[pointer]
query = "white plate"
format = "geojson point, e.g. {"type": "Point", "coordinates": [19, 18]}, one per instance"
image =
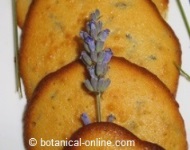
{"type": "Point", "coordinates": [12, 108]}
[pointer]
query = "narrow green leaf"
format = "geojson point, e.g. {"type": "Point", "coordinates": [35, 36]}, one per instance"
{"type": "Point", "coordinates": [182, 72]}
{"type": "Point", "coordinates": [16, 50]}
{"type": "Point", "coordinates": [184, 17]}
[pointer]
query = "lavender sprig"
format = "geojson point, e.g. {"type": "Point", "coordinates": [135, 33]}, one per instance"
{"type": "Point", "coordinates": [96, 58]}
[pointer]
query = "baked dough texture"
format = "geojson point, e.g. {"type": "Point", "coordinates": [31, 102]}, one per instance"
{"type": "Point", "coordinates": [119, 138]}
{"type": "Point", "coordinates": [140, 102]}
{"type": "Point", "coordinates": [24, 5]}
{"type": "Point", "coordinates": [51, 40]}
{"type": "Point", "coordinates": [22, 8]}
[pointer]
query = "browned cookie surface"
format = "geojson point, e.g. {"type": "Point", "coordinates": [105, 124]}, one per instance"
{"type": "Point", "coordinates": [162, 6]}
{"type": "Point", "coordinates": [107, 136]}
{"type": "Point", "coordinates": [23, 7]}
{"type": "Point", "coordinates": [139, 100]}
{"type": "Point", "coordinates": [138, 33]}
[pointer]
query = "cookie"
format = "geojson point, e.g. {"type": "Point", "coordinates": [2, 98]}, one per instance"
{"type": "Point", "coordinates": [51, 40]}
{"type": "Point", "coordinates": [140, 102]}
{"type": "Point", "coordinates": [23, 7]}
{"type": "Point", "coordinates": [105, 135]}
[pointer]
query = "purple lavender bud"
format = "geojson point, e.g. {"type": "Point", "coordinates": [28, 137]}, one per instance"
{"type": "Point", "coordinates": [99, 45]}
{"type": "Point", "coordinates": [99, 26]}
{"type": "Point", "coordinates": [91, 43]}
{"type": "Point", "coordinates": [101, 56]}
{"type": "Point", "coordinates": [88, 85]}
{"type": "Point", "coordinates": [88, 40]}
{"type": "Point", "coordinates": [86, 58]}
{"type": "Point", "coordinates": [107, 56]}
{"type": "Point", "coordinates": [83, 35]}
{"type": "Point", "coordinates": [91, 71]}
{"type": "Point", "coordinates": [85, 119]}
{"type": "Point", "coordinates": [97, 12]}
{"type": "Point", "coordinates": [101, 69]}
{"type": "Point", "coordinates": [91, 28]}
{"type": "Point", "coordinates": [95, 16]}
{"type": "Point", "coordinates": [105, 85]}
{"type": "Point", "coordinates": [94, 83]}
{"type": "Point", "coordinates": [103, 34]}
{"type": "Point", "coordinates": [100, 84]}
{"type": "Point", "coordinates": [86, 47]}
{"type": "Point", "coordinates": [111, 118]}
{"type": "Point", "coordinates": [94, 56]}
{"type": "Point", "coordinates": [94, 34]}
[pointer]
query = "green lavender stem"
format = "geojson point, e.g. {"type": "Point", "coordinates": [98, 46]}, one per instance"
{"type": "Point", "coordinates": [184, 17]}
{"type": "Point", "coordinates": [98, 99]}
{"type": "Point", "coordinates": [184, 74]}
{"type": "Point", "coordinates": [15, 34]}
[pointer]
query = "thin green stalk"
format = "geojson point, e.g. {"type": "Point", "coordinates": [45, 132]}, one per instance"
{"type": "Point", "coordinates": [98, 106]}
{"type": "Point", "coordinates": [16, 50]}
{"type": "Point", "coordinates": [184, 74]}
{"type": "Point", "coordinates": [184, 17]}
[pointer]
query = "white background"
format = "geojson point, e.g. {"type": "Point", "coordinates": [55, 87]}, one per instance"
{"type": "Point", "coordinates": [12, 108]}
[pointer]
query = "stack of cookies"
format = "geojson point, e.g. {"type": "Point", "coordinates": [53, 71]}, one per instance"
{"type": "Point", "coordinates": [143, 73]}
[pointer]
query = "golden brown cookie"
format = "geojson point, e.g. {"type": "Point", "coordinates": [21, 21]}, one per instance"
{"type": "Point", "coordinates": [138, 99]}
{"type": "Point", "coordinates": [107, 136]}
{"type": "Point", "coordinates": [138, 33]}
{"type": "Point", "coordinates": [22, 7]}
{"type": "Point", "coordinates": [162, 6]}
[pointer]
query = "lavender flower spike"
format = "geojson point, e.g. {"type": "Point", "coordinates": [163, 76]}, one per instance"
{"type": "Point", "coordinates": [96, 58]}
